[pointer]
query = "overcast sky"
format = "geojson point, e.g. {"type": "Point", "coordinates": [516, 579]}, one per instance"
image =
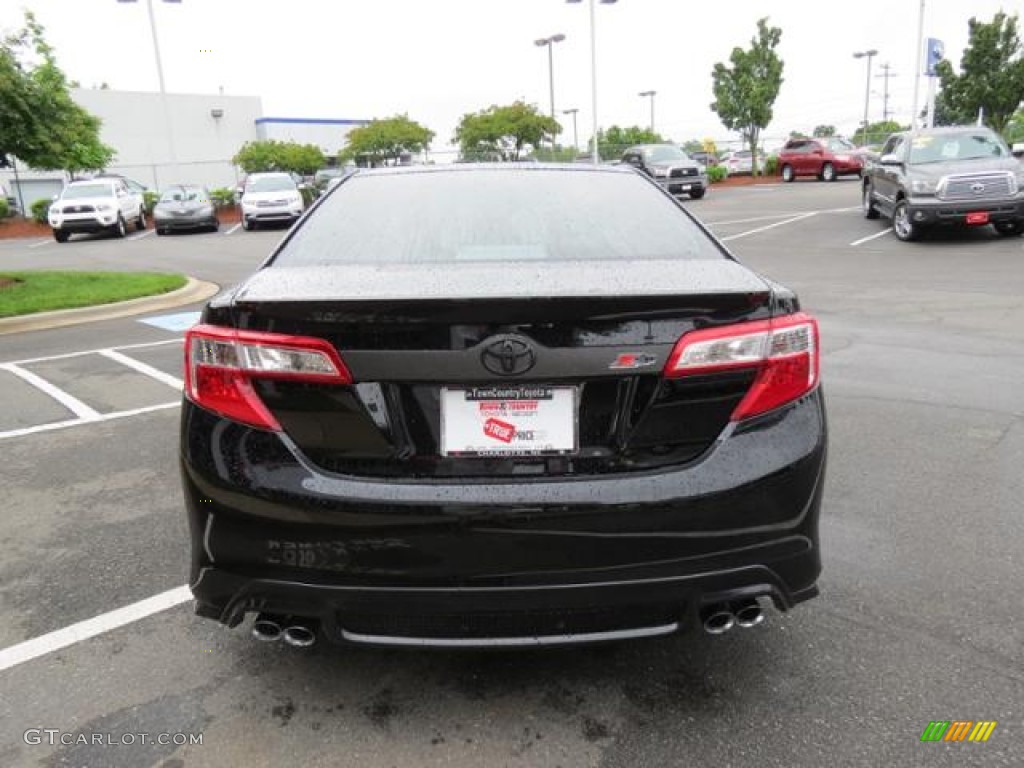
{"type": "Point", "coordinates": [438, 59]}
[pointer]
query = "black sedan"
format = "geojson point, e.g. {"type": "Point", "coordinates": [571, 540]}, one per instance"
{"type": "Point", "coordinates": [185, 207]}
{"type": "Point", "coordinates": [501, 406]}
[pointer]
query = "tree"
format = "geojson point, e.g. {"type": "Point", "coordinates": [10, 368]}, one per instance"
{"type": "Point", "coordinates": [502, 133]}
{"type": "Point", "coordinates": [1015, 128]}
{"type": "Point", "coordinates": [746, 91]}
{"type": "Point", "coordinates": [877, 132]}
{"type": "Point", "coordinates": [39, 122]}
{"type": "Point", "coordinates": [991, 74]}
{"type": "Point", "coordinates": [273, 155]}
{"type": "Point", "coordinates": [615, 140]}
{"type": "Point", "coordinates": [385, 142]}
{"type": "Point", "coordinates": [798, 135]}
{"type": "Point", "coordinates": [692, 146]}
{"type": "Point", "coordinates": [823, 131]}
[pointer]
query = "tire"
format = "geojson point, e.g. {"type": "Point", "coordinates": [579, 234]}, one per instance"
{"type": "Point", "coordinates": [867, 204]}
{"type": "Point", "coordinates": [1009, 228]}
{"type": "Point", "coordinates": [247, 225]}
{"type": "Point", "coordinates": [140, 223]}
{"type": "Point", "coordinates": [787, 173]}
{"type": "Point", "coordinates": [161, 231]}
{"type": "Point", "coordinates": [120, 230]}
{"type": "Point", "coordinates": [904, 229]}
{"type": "Point", "coordinates": [215, 225]}
{"type": "Point", "coordinates": [828, 172]}
{"type": "Point", "coordinates": [61, 237]}
{"type": "Point", "coordinates": [697, 194]}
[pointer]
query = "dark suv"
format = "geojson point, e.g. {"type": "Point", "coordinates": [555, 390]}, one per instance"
{"type": "Point", "coordinates": [828, 159]}
{"type": "Point", "coordinates": [959, 175]}
{"type": "Point", "coordinates": [673, 169]}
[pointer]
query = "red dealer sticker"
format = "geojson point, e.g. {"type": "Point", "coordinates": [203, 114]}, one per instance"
{"type": "Point", "coordinates": [979, 217]}
{"type": "Point", "coordinates": [499, 430]}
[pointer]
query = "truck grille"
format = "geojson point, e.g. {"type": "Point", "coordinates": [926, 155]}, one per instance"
{"type": "Point", "coordinates": [980, 186]}
{"type": "Point", "coordinates": [680, 173]}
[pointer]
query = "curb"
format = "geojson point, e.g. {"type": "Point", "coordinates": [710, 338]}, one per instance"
{"type": "Point", "coordinates": [193, 291]}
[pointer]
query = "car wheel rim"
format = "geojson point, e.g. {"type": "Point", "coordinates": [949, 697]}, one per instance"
{"type": "Point", "coordinates": [829, 173]}
{"type": "Point", "coordinates": [901, 221]}
{"type": "Point", "coordinates": [866, 200]}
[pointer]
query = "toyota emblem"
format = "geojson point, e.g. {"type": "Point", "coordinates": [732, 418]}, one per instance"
{"type": "Point", "coordinates": [977, 188]}
{"type": "Point", "coordinates": [508, 356]}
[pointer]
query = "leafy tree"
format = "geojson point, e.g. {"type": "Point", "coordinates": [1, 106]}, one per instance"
{"type": "Point", "coordinates": [385, 142]}
{"type": "Point", "coordinates": [746, 90]}
{"type": "Point", "coordinates": [991, 74]}
{"type": "Point", "coordinates": [798, 135]}
{"type": "Point", "coordinates": [615, 140]}
{"type": "Point", "coordinates": [693, 146]}
{"type": "Point", "coordinates": [823, 131]}
{"type": "Point", "coordinates": [273, 155]}
{"type": "Point", "coordinates": [877, 132]}
{"type": "Point", "coordinates": [39, 122]}
{"type": "Point", "coordinates": [502, 133]}
{"type": "Point", "coordinates": [1015, 128]}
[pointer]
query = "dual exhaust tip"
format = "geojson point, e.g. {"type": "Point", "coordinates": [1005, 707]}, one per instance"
{"type": "Point", "coordinates": [719, 618]}
{"type": "Point", "coordinates": [298, 633]}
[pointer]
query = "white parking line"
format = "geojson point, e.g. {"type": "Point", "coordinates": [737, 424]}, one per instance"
{"type": "Point", "coordinates": [14, 655]}
{"type": "Point", "coordinates": [55, 425]}
{"type": "Point", "coordinates": [875, 236]}
{"type": "Point", "coordinates": [73, 404]}
{"type": "Point", "coordinates": [747, 221]}
{"type": "Point", "coordinates": [801, 217]}
{"type": "Point", "coordinates": [143, 368]}
{"type": "Point", "coordinates": [141, 235]}
{"type": "Point", "coordinates": [42, 242]}
{"type": "Point", "coordinates": [233, 229]}
{"type": "Point", "coordinates": [67, 355]}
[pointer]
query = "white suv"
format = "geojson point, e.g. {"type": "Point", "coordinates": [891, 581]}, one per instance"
{"type": "Point", "coordinates": [96, 206]}
{"type": "Point", "coordinates": [270, 197]}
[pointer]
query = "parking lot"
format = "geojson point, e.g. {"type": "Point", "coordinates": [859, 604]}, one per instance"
{"type": "Point", "coordinates": [919, 617]}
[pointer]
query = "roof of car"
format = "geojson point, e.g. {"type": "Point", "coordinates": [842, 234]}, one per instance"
{"type": "Point", "coordinates": [945, 130]}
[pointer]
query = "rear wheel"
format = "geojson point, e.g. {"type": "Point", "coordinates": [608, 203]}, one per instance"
{"type": "Point", "coordinates": [140, 223]}
{"type": "Point", "coordinates": [1009, 228]}
{"type": "Point", "coordinates": [904, 229]}
{"type": "Point", "coordinates": [120, 230]}
{"type": "Point", "coordinates": [787, 172]}
{"type": "Point", "coordinates": [867, 204]}
{"type": "Point", "coordinates": [61, 237]}
{"type": "Point", "coordinates": [828, 172]}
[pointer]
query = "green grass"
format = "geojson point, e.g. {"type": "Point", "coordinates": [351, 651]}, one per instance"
{"type": "Point", "coordinates": [43, 291]}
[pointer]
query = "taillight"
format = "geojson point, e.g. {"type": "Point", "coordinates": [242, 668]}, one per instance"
{"type": "Point", "coordinates": [220, 364]}
{"type": "Point", "coordinates": [784, 351]}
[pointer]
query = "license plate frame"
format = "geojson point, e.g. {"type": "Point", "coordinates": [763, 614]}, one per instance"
{"type": "Point", "coordinates": [517, 420]}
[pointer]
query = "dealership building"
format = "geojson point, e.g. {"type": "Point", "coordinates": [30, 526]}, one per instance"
{"type": "Point", "coordinates": [190, 140]}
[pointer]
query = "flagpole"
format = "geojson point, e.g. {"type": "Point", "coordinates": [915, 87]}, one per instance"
{"type": "Point", "coordinates": [917, 67]}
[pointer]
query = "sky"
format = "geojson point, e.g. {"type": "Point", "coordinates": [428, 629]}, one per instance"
{"type": "Point", "coordinates": [436, 60]}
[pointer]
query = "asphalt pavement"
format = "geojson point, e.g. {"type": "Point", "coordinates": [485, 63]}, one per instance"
{"type": "Point", "coordinates": [918, 620]}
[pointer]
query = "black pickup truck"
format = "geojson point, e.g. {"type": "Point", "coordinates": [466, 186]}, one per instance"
{"type": "Point", "coordinates": [960, 175]}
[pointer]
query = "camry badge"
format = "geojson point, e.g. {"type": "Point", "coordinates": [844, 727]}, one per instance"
{"type": "Point", "coordinates": [629, 361]}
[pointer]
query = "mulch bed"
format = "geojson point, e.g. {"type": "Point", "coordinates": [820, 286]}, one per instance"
{"type": "Point", "coordinates": [29, 228]}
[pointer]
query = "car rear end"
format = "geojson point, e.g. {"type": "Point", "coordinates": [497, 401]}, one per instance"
{"type": "Point", "coordinates": [583, 422]}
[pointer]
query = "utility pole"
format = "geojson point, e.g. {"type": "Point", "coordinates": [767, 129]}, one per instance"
{"type": "Point", "coordinates": [886, 74]}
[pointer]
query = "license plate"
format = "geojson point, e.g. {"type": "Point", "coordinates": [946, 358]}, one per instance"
{"type": "Point", "coordinates": [508, 421]}
{"type": "Point", "coordinates": [684, 187]}
{"type": "Point", "coordinates": [980, 217]}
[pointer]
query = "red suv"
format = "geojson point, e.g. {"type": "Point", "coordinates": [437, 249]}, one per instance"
{"type": "Point", "coordinates": [828, 159]}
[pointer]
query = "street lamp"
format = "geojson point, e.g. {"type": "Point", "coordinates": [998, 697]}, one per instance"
{"type": "Point", "coordinates": [595, 155]}
{"type": "Point", "coordinates": [575, 136]}
{"type": "Point", "coordinates": [549, 42]}
{"type": "Point", "coordinates": [160, 78]}
{"type": "Point", "coordinates": [650, 94]}
{"type": "Point", "coordinates": [867, 91]}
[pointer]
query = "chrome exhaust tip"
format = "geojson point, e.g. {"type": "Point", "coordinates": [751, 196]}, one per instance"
{"type": "Point", "coordinates": [717, 619]}
{"type": "Point", "coordinates": [267, 629]}
{"type": "Point", "coordinates": [299, 635]}
{"type": "Point", "coordinates": [748, 613]}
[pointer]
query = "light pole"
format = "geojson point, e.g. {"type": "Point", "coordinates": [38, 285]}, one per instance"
{"type": "Point", "coordinates": [867, 91]}
{"type": "Point", "coordinates": [595, 154]}
{"type": "Point", "coordinates": [549, 42]}
{"type": "Point", "coordinates": [163, 91]}
{"type": "Point", "coordinates": [575, 136]}
{"type": "Point", "coordinates": [651, 95]}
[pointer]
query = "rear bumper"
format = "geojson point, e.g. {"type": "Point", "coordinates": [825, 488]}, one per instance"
{"type": "Point", "coordinates": [463, 563]}
{"type": "Point", "coordinates": [933, 211]}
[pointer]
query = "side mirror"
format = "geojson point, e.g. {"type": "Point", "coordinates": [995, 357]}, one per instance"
{"type": "Point", "coordinates": [890, 160]}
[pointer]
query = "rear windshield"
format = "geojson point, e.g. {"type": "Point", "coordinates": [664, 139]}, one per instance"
{"type": "Point", "coordinates": [510, 215]}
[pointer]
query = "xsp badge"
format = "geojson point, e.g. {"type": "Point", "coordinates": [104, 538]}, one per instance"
{"type": "Point", "coordinates": [628, 361]}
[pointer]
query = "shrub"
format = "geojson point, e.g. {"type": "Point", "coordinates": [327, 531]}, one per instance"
{"type": "Point", "coordinates": [40, 208]}
{"type": "Point", "coordinates": [150, 199]}
{"type": "Point", "coordinates": [5, 209]}
{"type": "Point", "coordinates": [771, 165]}
{"type": "Point", "coordinates": [223, 197]}
{"type": "Point", "coordinates": [716, 173]}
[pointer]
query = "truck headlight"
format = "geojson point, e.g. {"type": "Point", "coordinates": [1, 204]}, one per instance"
{"type": "Point", "coordinates": [923, 186]}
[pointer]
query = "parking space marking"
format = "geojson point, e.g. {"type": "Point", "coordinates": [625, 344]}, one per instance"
{"type": "Point", "coordinates": [42, 242]}
{"type": "Point", "coordinates": [72, 403]}
{"type": "Point", "coordinates": [752, 220]}
{"type": "Point", "coordinates": [875, 236]}
{"type": "Point", "coordinates": [782, 223]}
{"type": "Point", "coordinates": [143, 368]}
{"type": "Point", "coordinates": [233, 229]}
{"type": "Point", "coordinates": [14, 655]}
{"type": "Point", "coordinates": [143, 234]}
{"type": "Point", "coordinates": [69, 355]}
{"type": "Point", "coordinates": [55, 425]}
